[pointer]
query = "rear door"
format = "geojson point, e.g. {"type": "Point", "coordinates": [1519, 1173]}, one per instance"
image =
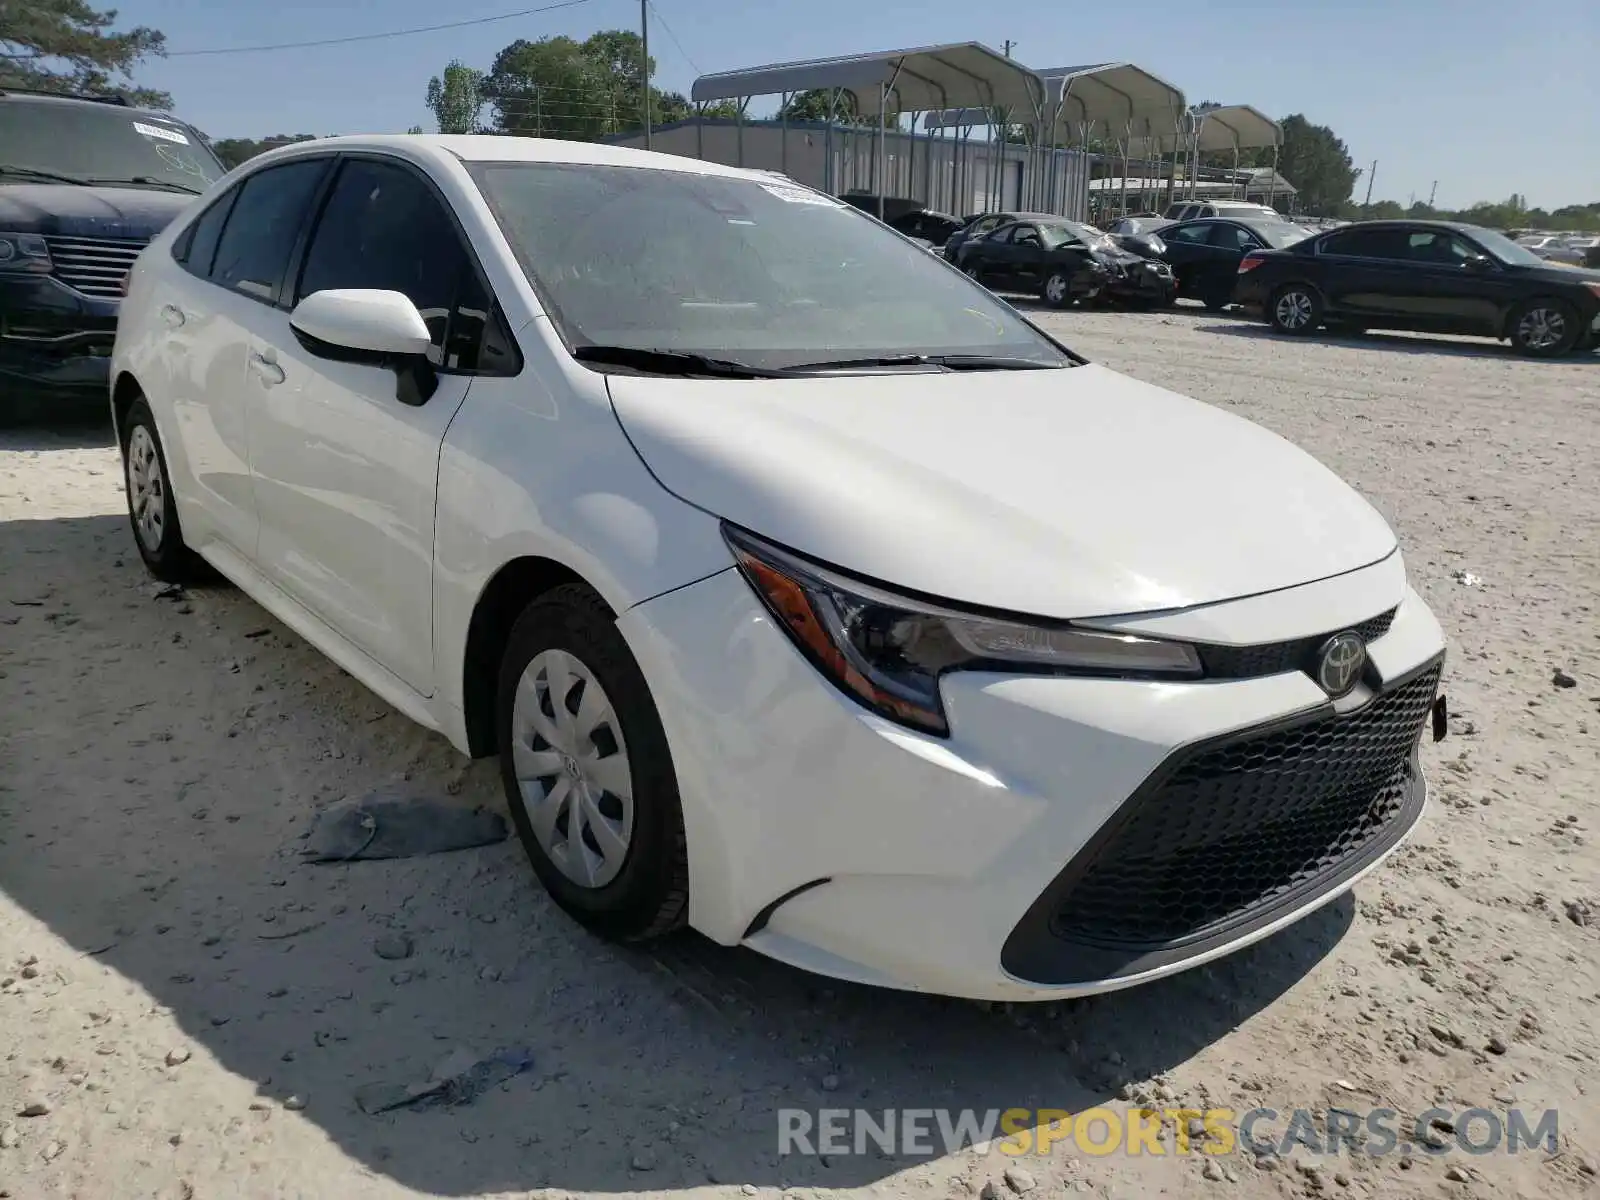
{"type": "Point", "coordinates": [1366, 273]}
{"type": "Point", "coordinates": [233, 259]}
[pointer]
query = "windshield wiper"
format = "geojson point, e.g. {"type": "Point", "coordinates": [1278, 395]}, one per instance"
{"type": "Point", "coordinates": [147, 181]}
{"type": "Point", "coordinates": [671, 362]}
{"type": "Point", "coordinates": [36, 173]}
{"type": "Point", "coordinates": [950, 362]}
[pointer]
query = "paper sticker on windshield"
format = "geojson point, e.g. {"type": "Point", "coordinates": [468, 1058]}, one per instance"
{"type": "Point", "coordinates": [796, 195]}
{"type": "Point", "coordinates": [156, 131]}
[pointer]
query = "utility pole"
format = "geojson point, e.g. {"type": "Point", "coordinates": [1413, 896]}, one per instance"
{"type": "Point", "coordinates": [644, 50]}
{"type": "Point", "coordinates": [1371, 175]}
{"type": "Point", "coordinates": [1009, 44]}
{"type": "Point", "coordinates": [1432, 192]}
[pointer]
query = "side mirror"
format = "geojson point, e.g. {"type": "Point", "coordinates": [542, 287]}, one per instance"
{"type": "Point", "coordinates": [382, 329]}
{"type": "Point", "coordinates": [1478, 262]}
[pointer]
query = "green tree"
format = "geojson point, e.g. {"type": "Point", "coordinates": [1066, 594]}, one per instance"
{"type": "Point", "coordinates": [562, 88]}
{"type": "Point", "coordinates": [456, 98]}
{"type": "Point", "coordinates": [67, 46]}
{"type": "Point", "coordinates": [233, 151]}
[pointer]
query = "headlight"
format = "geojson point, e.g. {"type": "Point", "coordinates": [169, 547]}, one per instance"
{"type": "Point", "coordinates": [24, 252]}
{"type": "Point", "coordinates": [887, 651]}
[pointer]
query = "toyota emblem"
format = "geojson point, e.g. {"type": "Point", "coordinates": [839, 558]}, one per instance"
{"type": "Point", "coordinates": [1339, 663]}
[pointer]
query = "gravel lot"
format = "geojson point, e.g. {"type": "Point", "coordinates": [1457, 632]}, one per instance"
{"type": "Point", "coordinates": [189, 1009]}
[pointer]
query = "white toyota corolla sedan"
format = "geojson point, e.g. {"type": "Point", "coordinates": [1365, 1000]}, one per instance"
{"type": "Point", "coordinates": [808, 594]}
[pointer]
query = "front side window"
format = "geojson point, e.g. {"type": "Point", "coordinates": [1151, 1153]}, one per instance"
{"type": "Point", "coordinates": [773, 274]}
{"type": "Point", "coordinates": [1500, 246]}
{"type": "Point", "coordinates": [1194, 235]}
{"type": "Point", "coordinates": [383, 228]}
{"type": "Point", "coordinates": [102, 144]}
{"type": "Point", "coordinates": [1233, 237]}
{"type": "Point", "coordinates": [253, 253]}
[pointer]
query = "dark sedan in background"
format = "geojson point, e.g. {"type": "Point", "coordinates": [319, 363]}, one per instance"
{"type": "Point", "coordinates": [1042, 256]}
{"type": "Point", "coordinates": [1425, 276]}
{"type": "Point", "coordinates": [1205, 254]}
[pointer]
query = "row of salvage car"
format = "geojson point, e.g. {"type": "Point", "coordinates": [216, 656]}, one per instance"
{"type": "Point", "coordinates": [1421, 276]}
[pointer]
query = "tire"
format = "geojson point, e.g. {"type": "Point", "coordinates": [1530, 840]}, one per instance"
{"type": "Point", "coordinates": [152, 508]}
{"type": "Point", "coordinates": [1295, 309]}
{"type": "Point", "coordinates": [1057, 290]}
{"type": "Point", "coordinates": [1543, 328]}
{"type": "Point", "coordinates": [625, 875]}
{"type": "Point", "coordinates": [975, 273]}
{"type": "Point", "coordinates": [1216, 304]}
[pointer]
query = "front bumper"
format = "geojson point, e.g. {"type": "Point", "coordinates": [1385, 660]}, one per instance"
{"type": "Point", "coordinates": [55, 347]}
{"type": "Point", "coordinates": [1146, 283]}
{"type": "Point", "coordinates": [843, 844]}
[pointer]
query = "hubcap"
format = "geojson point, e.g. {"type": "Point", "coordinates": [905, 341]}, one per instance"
{"type": "Point", "coordinates": [1055, 288]}
{"type": "Point", "coordinates": [147, 488]}
{"type": "Point", "coordinates": [1541, 328]}
{"type": "Point", "coordinates": [1294, 310]}
{"type": "Point", "coordinates": [572, 768]}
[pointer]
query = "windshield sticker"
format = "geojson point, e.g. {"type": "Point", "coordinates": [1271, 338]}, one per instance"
{"type": "Point", "coordinates": [156, 131]}
{"type": "Point", "coordinates": [794, 195]}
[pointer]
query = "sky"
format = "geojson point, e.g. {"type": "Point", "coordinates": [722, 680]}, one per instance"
{"type": "Point", "coordinates": [1484, 99]}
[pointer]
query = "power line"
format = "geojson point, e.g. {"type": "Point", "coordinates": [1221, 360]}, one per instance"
{"type": "Point", "coordinates": [662, 21]}
{"type": "Point", "coordinates": [372, 37]}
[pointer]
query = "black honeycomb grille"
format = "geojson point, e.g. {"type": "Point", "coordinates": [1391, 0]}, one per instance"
{"type": "Point", "coordinates": [1236, 827]}
{"type": "Point", "coordinates": [1277, 658]}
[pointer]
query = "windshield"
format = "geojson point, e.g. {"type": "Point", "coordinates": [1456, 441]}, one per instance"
{"type": "Point", "coordinates": [1279, 234]}
{"type": "Point", "coordinates": [82, 143]}
{"type": "Point", "coordinates": [769, 274]}
{"type": "Point", "coordinates": [1057, 233]}
{"type": "Point", "coordinates": [1503, 248]}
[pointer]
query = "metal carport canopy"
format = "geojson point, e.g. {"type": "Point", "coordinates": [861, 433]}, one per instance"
{"type": "Point", "coordinates": [1119, 96]}
{"type": "Point", "coordinates": [1122, 97]}
{"type": "Point", "coordinates": [1236, 126]}
{"type": "Point", "coordinates": [956, 75]}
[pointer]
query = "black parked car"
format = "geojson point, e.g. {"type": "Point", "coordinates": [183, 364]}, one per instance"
{"type": "Point", "coordinates": [977, 225]}
{"type": "Point", "coordinates": [925, 225]}
{"type": "Point", "coordinates": [1205, 254]}
{"type": "Point", "coordinates": [84, 185]}
{"type": "Point", "coordinates": [1429, 276]}
{"type": "Point", "coordinates": [1041, 256]}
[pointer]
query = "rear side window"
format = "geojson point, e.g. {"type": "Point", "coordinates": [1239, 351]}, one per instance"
{"type": "Point", "coordinates": [1368, 243]}
{"type": "Point", "coordinates": [253, 252]}
{"type": "Point", "coordinates": [383, 227]}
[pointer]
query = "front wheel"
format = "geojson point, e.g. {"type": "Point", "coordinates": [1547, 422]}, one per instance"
{"type": "Point", "coordinates": [1544, 329]}
{"type": "Point", "coordinates": [1057, 290]}
{"type": "Point", "coordinates": [152, 508]}
{"type": "Point", "coordinates": [1295, 309]}
{"type": "Point", "coordinates": [587, 772]}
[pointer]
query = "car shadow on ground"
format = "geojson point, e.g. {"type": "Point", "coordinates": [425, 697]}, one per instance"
{"type": "Point", "coordinates": [167, 752]}
{"type": "Point", "coordinates": [62, 435]}
{"type": "Point", "coordinates": [1396, 343]}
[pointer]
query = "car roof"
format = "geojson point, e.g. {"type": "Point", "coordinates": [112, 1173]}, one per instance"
{"type": "Point", "coordinates": [21, 96]}
{"type": "Point", "coordinates": [496, 148]}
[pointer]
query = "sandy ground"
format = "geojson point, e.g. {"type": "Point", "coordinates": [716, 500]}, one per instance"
{"type": "Point", "coordinates": [190, 1009]}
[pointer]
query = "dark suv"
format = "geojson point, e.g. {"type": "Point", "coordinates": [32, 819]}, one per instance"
{"type": "Point", "coordinates": [84, 185]}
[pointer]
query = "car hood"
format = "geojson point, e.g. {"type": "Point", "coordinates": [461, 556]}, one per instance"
{"type": "Point", "coordinates": [1555, 273]}
{"type": "Point", "coordinates": [66, 210]}
{"type": "Point", "coordinates": [1064, 493]}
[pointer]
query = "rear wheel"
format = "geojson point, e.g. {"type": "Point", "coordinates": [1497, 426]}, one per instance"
{"type": "Point", "coordinates": [1544, 329]}
{"type": "Point", "coordinates": [1057, 290]}
{"type": "Point", "coordinates": [152, 508]}
{"type": "Point", "coordinates": [587, 772]}
{"type": "Point", "coordinates": [1295, 309]}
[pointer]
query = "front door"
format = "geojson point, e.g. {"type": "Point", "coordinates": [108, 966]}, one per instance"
{"type": "Point", "coordinates": [345, 471]}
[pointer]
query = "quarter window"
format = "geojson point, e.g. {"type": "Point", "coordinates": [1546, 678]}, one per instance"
{"type": "Point", "coordinates": [253, 251]}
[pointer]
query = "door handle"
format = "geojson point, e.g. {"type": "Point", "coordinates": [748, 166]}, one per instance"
{"type": "Point", "coordinates": [269, 371]}
{"type": "Point", "coordinates": [172, 315]}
